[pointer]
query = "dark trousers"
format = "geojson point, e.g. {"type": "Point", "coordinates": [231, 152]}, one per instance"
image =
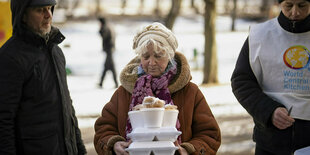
{"type": "Point", "coordinates": [294, 138]}
{"type": "Point", "coordinates": [260, 151]}
{"type": "Point", "coordinates": [108, 65]}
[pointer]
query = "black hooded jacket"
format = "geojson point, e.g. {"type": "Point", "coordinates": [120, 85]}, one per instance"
{"type": "Point", "coordinates": [36, 112]}
{"type": "Point", "coordinates": [260, 106]}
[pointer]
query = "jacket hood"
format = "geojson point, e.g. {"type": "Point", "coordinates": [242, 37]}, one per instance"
{"type": "Point", "coordinates": [18, 8]}
{"type": "Point", "coordinates": [129, 74]}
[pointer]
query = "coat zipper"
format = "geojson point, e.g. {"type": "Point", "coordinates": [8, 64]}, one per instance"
{"type": "Point", "coordinates": [294, 26]}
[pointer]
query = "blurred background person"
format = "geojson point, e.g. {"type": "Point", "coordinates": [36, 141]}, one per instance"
{"type": "Point", "coordinates": [160, 71]}
{"type": "Point", "coordinates": [36, 112]}
{"type": "Point", "coordinates": [108, 45]}
{"type": "Point", "coordinates": [271, 80]}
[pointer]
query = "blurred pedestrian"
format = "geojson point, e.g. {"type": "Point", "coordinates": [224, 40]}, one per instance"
{"type": "Point", "coordinates": [271, 79]}
{"type": "Point", "coordinates": [108, 45]}
{"type": "Point", "coordinates": [36, 112]}
{"type": "Point", "coordinates": [159, 71]}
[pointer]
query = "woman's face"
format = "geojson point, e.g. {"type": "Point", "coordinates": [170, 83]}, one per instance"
{"type": "Point", "coordinates": [154, 63]}
{"type": "Point", "coordinates": [295, 10]}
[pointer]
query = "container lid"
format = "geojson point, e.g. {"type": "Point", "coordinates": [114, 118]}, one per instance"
{"type": "Point", "coordinates": [303, 151]}
{"type": "Point", "coordinates": [152, 109]}
{"type": "Point", "coordinates": [150, 130]}
{"type": "Point", "coordinates": [164, 147]}
{"type": "Point", "coordinates": [149, 134]}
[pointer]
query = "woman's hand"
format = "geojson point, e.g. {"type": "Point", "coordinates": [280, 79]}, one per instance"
{"type": "Point", "coordinates": [119, 147]}
{"type": "Point", "coordinates": [281, 119]}
{"type": "Point", "coordinates": [181, 150]}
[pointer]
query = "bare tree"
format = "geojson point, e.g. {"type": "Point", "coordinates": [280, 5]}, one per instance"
{"type": "Point", "coordinates": [265, 7]}
{"type": "Point", "coordinates": [173, 13]}
{"type": "Point", "coordinates": [98, 8]}
{"type": "Point", "coordinates": [141, 6]}
{"type": "Point", "coordinates": [157, 8]}
{"type": "Point", "coordinates": [193, 6]}
{"type": "Point", "coordinates": [124, 3]}
{"type": "Point", "coordinates": [68, 6]}
{"type": "Point", "coordinates": [226, 6]}
{"type": "Point", "coordinates": [234, 15]}
{"type": "Point", "coordinates": [210, 69]}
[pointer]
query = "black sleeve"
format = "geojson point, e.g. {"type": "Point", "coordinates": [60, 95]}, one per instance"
{"type": "Point", "coordinates": [11, 79]}
{"type": "Point", "coordinates": [249, 93]}
{"type": "Point", "coordinates": [79, 141]}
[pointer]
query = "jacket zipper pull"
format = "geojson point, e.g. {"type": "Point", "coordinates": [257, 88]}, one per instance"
{"type": "Point", "coordinates": [294, 26]}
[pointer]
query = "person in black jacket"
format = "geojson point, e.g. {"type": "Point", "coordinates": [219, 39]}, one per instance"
{"type": "Point", "coordinates": [36, 112]}
{"type": "Point", "coordinates": [108, 45]}
{"type": "Point", "coordinates": [271, 80]}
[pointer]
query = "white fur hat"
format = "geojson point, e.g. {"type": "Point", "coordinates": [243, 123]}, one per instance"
{"type": "Point", "coordinates": [157, 32]}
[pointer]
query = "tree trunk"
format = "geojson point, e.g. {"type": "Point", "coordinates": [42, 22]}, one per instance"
{"type": "Point", "coordinates": [227, 7]}
{"type": "Point", "coordinates": [124, 3]}
{"type": "Point", "coordinates": [98, 8]}
{"type": "Point", "coordinates": [265, 7]}
{"type": "Point", "coordinates": [193, 6]}
{"type": "Point", "coordinates": [210, 55]}
{"type": "Point", "coordinates": [62, 4]}
{"type": "Point", "coordinates": [173, 13]}
{"type": "Point", "coordinates": [141, 7]}
{"type": "Point", "coordinates": [234, 16]}
{"type": "Point", "coordinates": [157, 11]}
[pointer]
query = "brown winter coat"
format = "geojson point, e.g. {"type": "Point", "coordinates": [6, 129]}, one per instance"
{"type": "Point", "coordinates": [200, 131]}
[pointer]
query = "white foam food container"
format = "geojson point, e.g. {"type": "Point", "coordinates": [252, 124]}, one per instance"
{"type": "Point", "coordinates": [157, 147]}
{"type": "Point", "coordinates": [170, 118]}
{"type": "Point", "coordinates": [136, 119]}
{"type": "Point", "coordinates": [153, 117]}
{"type": "Point", "coordinates": [149, 134]}
{"type": "Point", "coordinates": [303, 151]}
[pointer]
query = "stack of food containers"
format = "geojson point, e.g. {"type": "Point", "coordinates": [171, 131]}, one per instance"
{"type": "Point", "coordinates": [154, 130]}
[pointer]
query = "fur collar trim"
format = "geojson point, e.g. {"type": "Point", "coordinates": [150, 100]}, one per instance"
{"type": "Point", "coordinates": [129, 74]}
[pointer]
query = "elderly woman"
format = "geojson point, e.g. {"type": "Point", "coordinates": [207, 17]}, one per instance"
{"type": "Point", "coordinates": [158, 71]}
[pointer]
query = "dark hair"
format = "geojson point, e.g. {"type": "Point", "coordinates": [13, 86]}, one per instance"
{"type": "Point", "coordinates": [102, 20]}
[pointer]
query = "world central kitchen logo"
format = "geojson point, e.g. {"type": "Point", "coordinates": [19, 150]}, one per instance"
{"type": "Point", "coordinates": [296, 58]}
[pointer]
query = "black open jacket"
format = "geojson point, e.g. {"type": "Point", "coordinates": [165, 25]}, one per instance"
{"type": "Point", "coordinates": [250, 95]}
{"type": "Point", "coordinates": [36, 112]}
